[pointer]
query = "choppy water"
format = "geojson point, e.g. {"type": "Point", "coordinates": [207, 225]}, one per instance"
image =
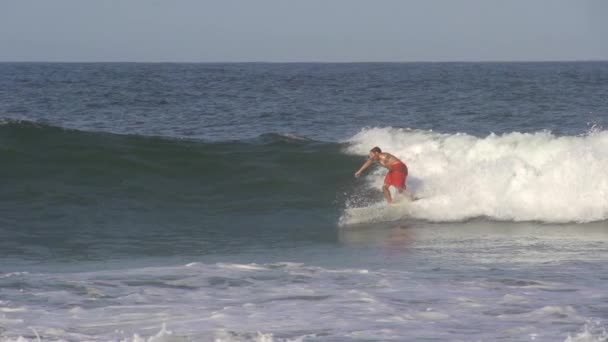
{"type": "Point", "coordinates": [218, 201]}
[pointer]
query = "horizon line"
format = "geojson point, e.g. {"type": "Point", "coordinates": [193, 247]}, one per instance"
{"type": "Point", "coordinates": [310, 62]}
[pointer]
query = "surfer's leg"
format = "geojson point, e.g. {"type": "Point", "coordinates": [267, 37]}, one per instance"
{"type": "Point", "coordinates": [387, 193]}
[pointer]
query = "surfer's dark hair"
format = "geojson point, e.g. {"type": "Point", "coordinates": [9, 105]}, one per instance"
{"type": "Point", "coordinates": [376, 150]}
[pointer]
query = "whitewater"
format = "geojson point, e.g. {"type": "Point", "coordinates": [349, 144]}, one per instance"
{"type": "Point", "coordinates": [509, 177]}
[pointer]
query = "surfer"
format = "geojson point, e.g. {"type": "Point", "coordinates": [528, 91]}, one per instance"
{"type": "Point", "coordinates": [397, 171]}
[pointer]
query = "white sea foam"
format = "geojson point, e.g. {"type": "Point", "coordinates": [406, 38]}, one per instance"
{"type": "Point", "coordinates": [512, 177]}
{"type": "Point", "coordinates": [288, 301]}
{"type": "Point", "coordinates": [591, 332]}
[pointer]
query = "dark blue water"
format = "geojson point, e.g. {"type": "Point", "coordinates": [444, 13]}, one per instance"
{"type": "Point", "coordinates": [219, 199]}
{"type": "Point", "coordinates": [327, 102]}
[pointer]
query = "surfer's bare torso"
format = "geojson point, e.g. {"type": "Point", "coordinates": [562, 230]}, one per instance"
{"type": "Point", "coordinates": [386, 159]}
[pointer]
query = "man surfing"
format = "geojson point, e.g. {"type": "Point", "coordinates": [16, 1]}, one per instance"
{"type": "Point", "coordinates": [397, 171]}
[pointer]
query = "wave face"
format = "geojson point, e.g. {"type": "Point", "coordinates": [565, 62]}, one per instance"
{"type": "Point", "coordinates": [514, 176]}
{"type": "Point", "coordinates": [258, 173]}
{"type": "Point", "coordinates": [60, 185]}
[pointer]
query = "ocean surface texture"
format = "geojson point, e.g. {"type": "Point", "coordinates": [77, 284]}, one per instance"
{"type": "Point", "coordinates": [217, 202]}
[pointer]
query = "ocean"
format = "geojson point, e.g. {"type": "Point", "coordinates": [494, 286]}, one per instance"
{"type": "Point", "coordinates": [217, 202]}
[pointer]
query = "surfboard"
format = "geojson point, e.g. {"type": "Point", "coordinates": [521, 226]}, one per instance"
{"type": "Point", "coordinates": [378, 212]}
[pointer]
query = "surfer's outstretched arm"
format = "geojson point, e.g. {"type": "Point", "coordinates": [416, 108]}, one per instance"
{"type": "Point", "coordinates": [367, 164]}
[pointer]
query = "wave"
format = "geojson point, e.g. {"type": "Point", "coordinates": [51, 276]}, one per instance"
{"type": "Point", "coordinates": [511, 177]}
{"type": "Point", "coordinates": [456, 177]}
{"type": "Point", "coordinates": [273, 172]}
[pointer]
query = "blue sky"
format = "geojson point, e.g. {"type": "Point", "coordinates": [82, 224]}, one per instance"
{"type": "Point", "coordinates": [300, 31]}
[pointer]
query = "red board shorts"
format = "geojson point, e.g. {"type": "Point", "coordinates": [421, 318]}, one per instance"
{"type": "Point", "coordinates": [396, 176]}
